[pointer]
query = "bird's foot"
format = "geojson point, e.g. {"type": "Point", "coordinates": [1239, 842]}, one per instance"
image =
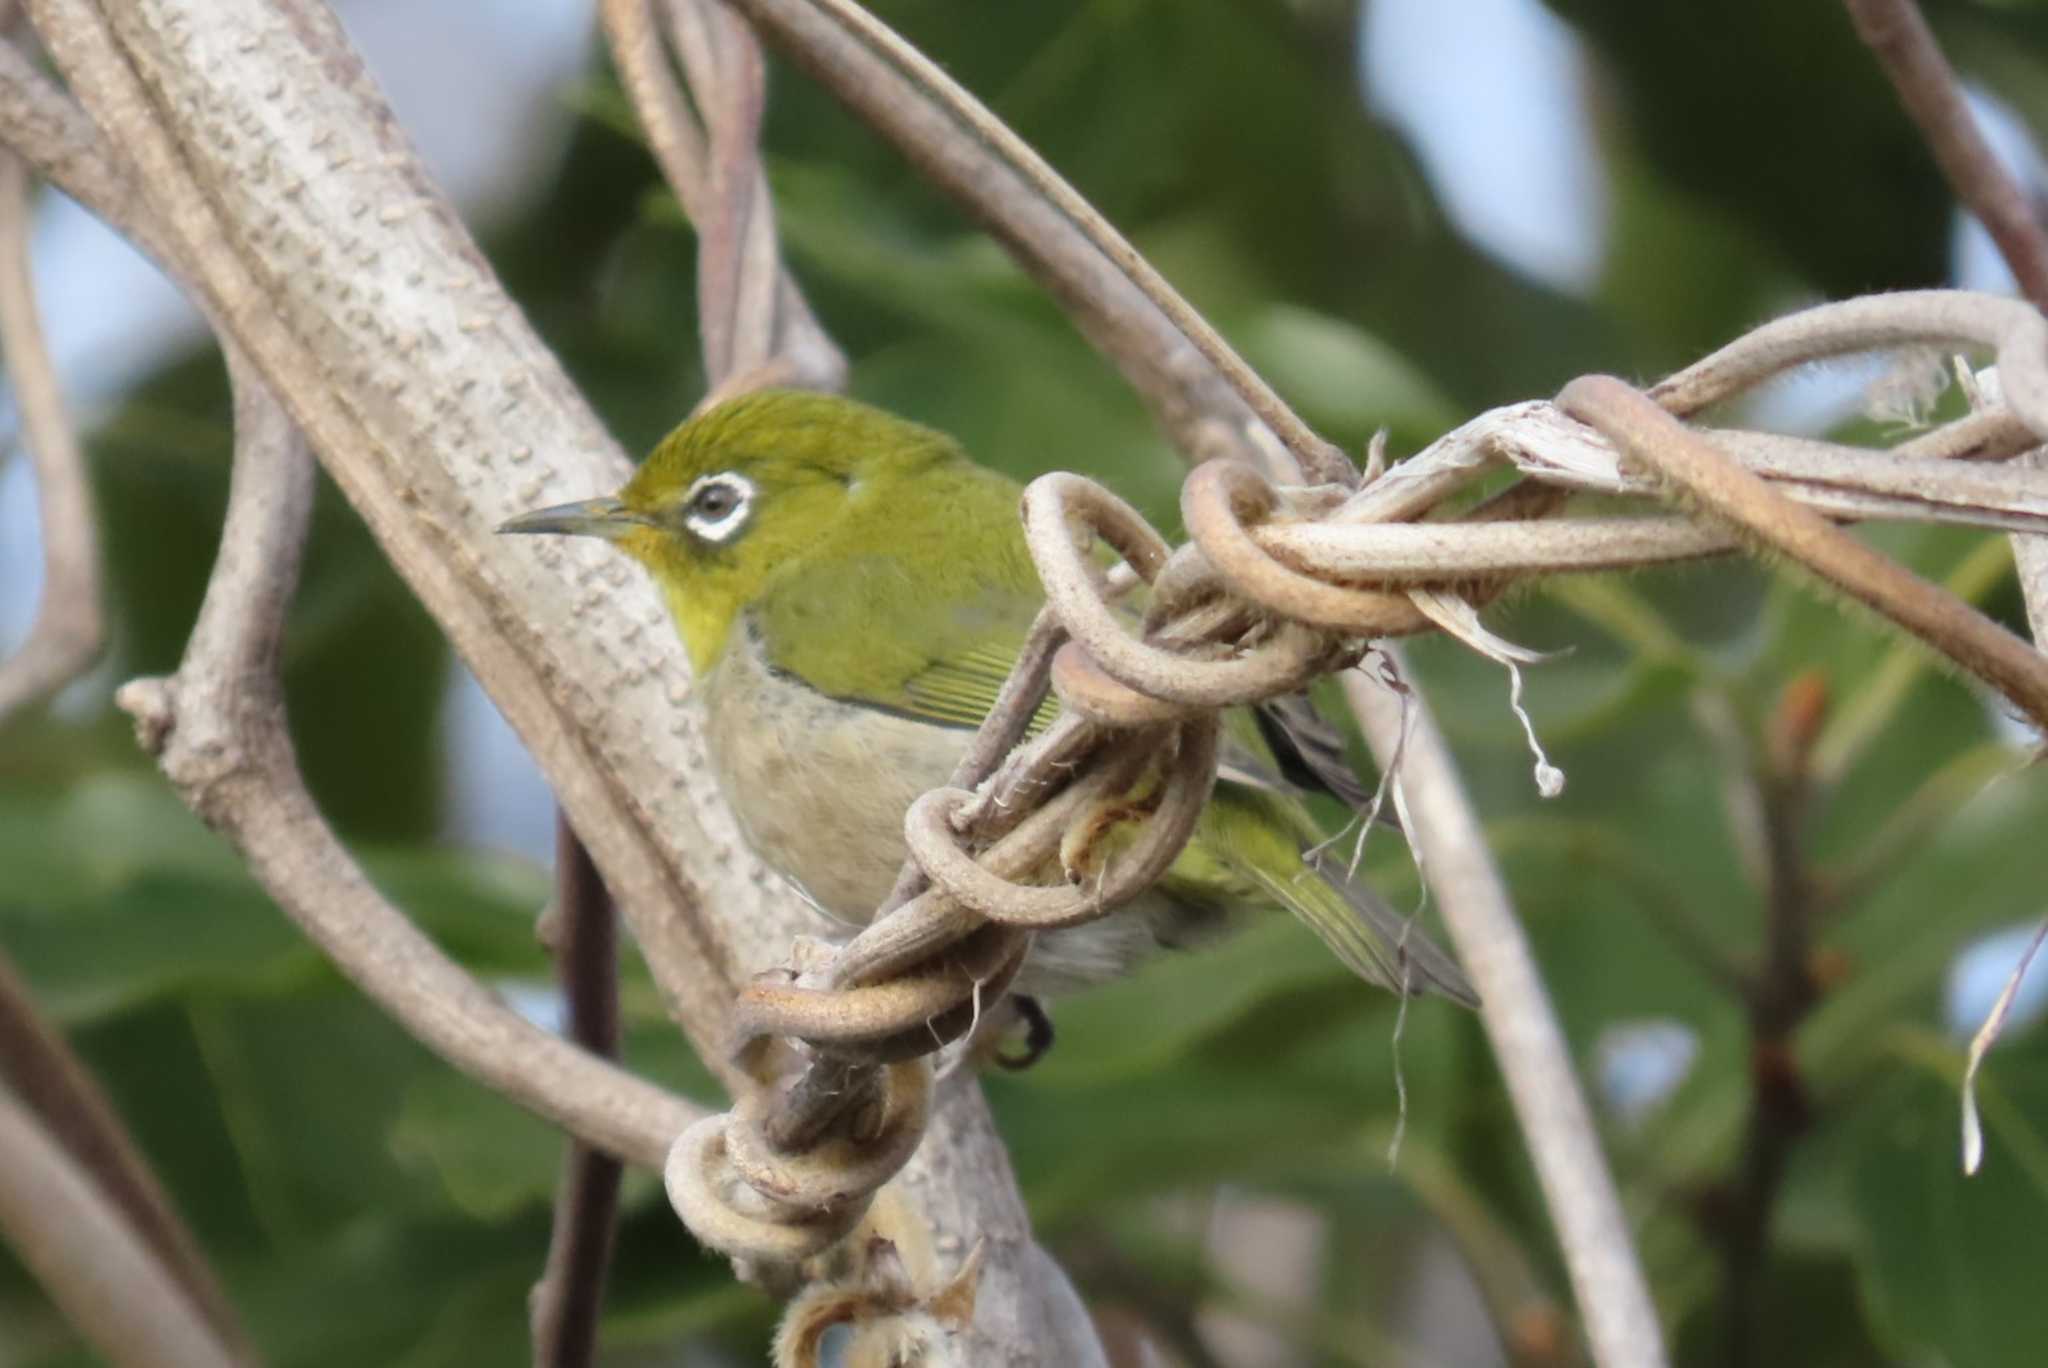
{"type": "Point", "coordinates": [1038, 1034]}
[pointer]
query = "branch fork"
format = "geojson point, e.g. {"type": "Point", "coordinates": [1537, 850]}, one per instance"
{"type": "Point", "coordinates": [1280, 585]}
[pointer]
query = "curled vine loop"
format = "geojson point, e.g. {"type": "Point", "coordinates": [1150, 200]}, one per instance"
{"type": "Point", "coordinates": [1277, 586]}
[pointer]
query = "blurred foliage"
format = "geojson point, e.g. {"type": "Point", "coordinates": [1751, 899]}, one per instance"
{"type": "Point", "coordinates": [366, 1206]}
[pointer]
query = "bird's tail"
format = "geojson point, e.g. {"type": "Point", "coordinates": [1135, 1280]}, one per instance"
{"type": "Point", "coordinates": [1379, 944]}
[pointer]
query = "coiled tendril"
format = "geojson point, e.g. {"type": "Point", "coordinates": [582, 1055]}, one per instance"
{"type": "Point", "coordinates": [1277, 586]}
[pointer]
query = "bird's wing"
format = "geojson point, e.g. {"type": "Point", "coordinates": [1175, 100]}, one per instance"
{"type": "Point", "coordinates": [860, 631]}
{"type": "Point", "coordinates": [866, 630]}
{"type": "Point", "coordinates": [857, 630]}
{"type": "Point", "coordinates": [959, 688]}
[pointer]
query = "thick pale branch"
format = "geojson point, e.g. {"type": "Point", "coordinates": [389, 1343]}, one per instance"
{"type": "Point", "coordinates": [219, 730]}
{"type": "Point", "coordinates": [306, 222]}
{"type": "Point", "coordinates": [46, 128]}
{"type": "Point", "coordinates": [94, 1266]}
{"type": "Point", "coordinates": [270, 214]}
{"type": "Point", "coordinates": [1535, 1061]}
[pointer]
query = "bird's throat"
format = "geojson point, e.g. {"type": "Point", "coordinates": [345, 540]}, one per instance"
{"type": "Point", "coordinates": [704, 622]}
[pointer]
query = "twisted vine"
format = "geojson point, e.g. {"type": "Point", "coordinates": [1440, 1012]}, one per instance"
{"type": "Point", "coordinates": [1277, 586]}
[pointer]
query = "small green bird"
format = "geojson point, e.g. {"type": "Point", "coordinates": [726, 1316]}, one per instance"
{"type": "Point", "coordinates": [852, 591]}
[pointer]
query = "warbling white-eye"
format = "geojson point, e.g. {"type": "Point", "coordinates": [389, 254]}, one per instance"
{"type": "Point", "coordinates": [852, 591]}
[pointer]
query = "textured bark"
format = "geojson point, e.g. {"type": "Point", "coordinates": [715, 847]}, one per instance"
{"type": "Point", "coordinates": [297, 211]}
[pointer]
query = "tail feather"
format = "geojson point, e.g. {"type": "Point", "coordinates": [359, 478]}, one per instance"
{"type": "Point", "coordinates": [1248, 850]}
{"type": "Point", "coordinates": [1376, 942]}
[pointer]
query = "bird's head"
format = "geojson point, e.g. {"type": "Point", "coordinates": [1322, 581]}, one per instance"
{"type": "Point", "coordinates": [749, 489]}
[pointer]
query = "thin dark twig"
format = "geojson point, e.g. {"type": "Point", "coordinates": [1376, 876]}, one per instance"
{"type": "Point", "coordinates": [585, 939]}
{"type": "Point", "coordinates": [1897, 33]}
{"type": "Point", "coordinates": [39, 1067]}
{"type": "Point", "coordinates": [1781, 997]}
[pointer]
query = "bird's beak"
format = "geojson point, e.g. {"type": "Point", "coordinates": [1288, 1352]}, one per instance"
{"type": "Point", "coordinates": [607, 518]}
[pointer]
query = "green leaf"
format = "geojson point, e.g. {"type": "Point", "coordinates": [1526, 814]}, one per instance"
{"type": "Point", "coordinates": [1952, 1265]}
{"type": "Point", "coordinates": [480, 908]}
{"type": "Point", "coordinates": [106, 828]}
{"type": "Point", "coordinates": [311, 1086]}
{"type": "Point", "coordinates": [391, 1291]}
{"type": "Point", "coordinates": [155, 936]}
{"type": "Point", "coordinates": [1342, 376]}
{"type": "Point", "coordinates": [493, 1159]}
{"type": "Point", "coordinates": [1302, 1070]}
{"type": "Point", "coordinates": [1808, 1313]}
{"type": "Point", "coordinates": [1146, 1021]}
{"type": "Point", "coordinates": [1805, 175]}
{"type": "Point", "coordinates": [129, 900]}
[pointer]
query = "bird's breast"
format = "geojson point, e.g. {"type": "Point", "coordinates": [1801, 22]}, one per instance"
{"type": "Point", "coordinates": [820, 785]}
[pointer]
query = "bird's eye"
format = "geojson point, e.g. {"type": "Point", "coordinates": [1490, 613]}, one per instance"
{"type": "Point", "coordinates": [717, 506]}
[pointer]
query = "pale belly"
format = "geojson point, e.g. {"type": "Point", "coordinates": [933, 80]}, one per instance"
{"type": "Point", "coordinates": [820, 788]}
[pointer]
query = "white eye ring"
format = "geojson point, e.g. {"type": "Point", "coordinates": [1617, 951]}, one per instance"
{"type": "Point", "coordinates": [717, 506]}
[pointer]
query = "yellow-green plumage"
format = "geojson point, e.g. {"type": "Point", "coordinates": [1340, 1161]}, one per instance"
{"type": "Point", "coordinates": [852, 591]}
